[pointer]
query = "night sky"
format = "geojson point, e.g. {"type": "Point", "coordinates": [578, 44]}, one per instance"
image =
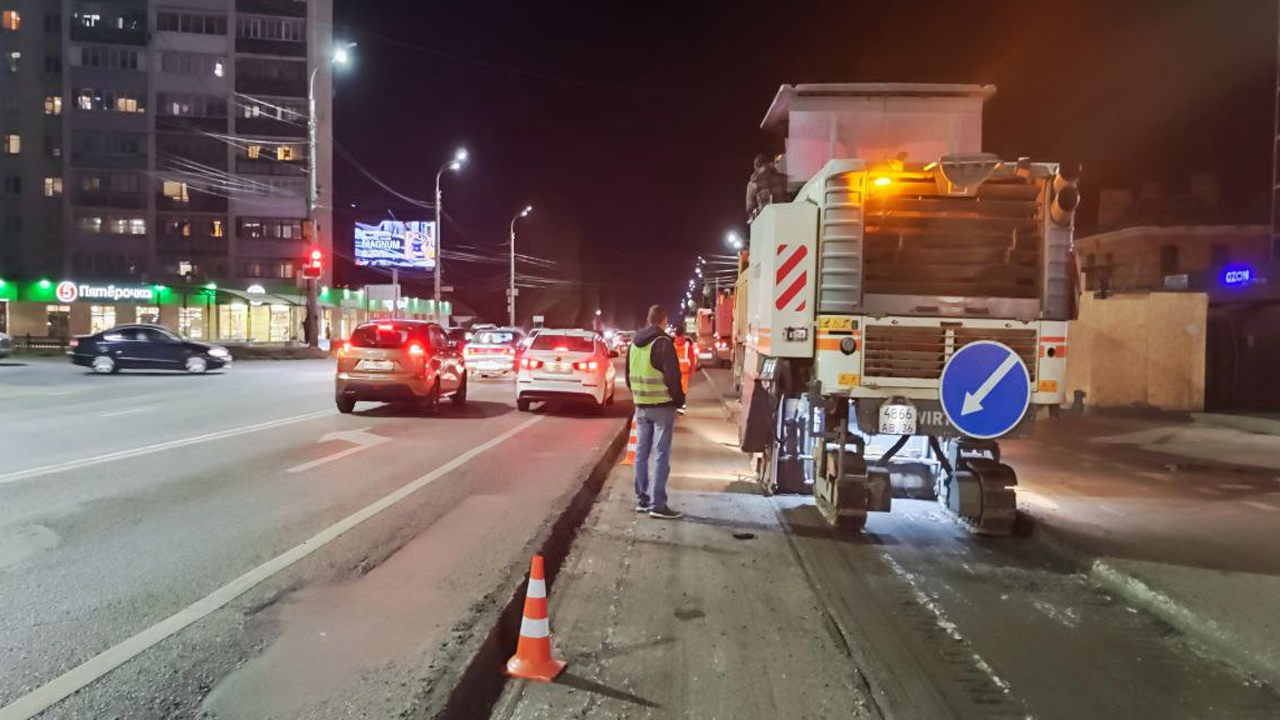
{"type": "Point", "coordinates": [631, 127]}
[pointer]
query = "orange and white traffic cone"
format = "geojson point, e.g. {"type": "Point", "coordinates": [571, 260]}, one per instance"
{"type": "Point", "coordinates": [633, 442]}
{"type": "Point", "coordinates": [533, 660]}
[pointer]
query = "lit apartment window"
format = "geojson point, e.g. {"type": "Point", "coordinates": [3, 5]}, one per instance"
{"type": "Point", "coordinates": [12, 20]}
{"type": "Point", "coordinates": [52, 187]}
{"type": "Point", "coordinates": [286, 152]}
{"type": "Point", "coordinates": [53, 105]}
{"type": "Point", "coordinates": [253, 151]}
{"type": "Point", "coordinates": [125, 103]}
{"type": "Point", "coordinates": [218, 69]}
{"type": "Point", "coordinates": [217, 229]}
{"type": "Point", "coordinates": [176, 191]}
{"type": "Point", "coordinates": [12, 144]}
{"type": "Point", "coordinates": [15, 59]}
{"type": "Point", "coordinates": [137, 226]}
{"type": "Point", "coordinates": [89, 224]}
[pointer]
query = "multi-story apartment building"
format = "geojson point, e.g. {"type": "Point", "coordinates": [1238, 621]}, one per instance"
{"type": "Point", "coordinates": [162, 143]}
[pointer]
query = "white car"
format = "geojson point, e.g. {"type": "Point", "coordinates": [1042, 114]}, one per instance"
{"type": "Point", "coordinates": [566, 365]}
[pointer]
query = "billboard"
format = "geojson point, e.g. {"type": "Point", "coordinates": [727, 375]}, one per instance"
{"type": "Point", "coordinates": [396, 243]}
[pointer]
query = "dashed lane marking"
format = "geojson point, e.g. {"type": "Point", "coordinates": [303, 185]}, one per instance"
{"type": "Point", "coordinates": [1258, 505]}
{"type": "Point", "coordinates": [91, 670]}
{"type": "Point", "coordinates": [130, 411]}
{"type": "Point", "coordinates": [158, 447]}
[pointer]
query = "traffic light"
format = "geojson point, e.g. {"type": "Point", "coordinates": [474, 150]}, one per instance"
{"type": "Point", "coordinates": [313, 267]}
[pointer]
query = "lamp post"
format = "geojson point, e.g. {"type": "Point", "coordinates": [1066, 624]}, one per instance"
{"type": "Point", "coordinates": [511, 291]}
{"type": "Point", "coordinates": [459, 159]}
{"type": "Point", "coordinates": [341, 56]}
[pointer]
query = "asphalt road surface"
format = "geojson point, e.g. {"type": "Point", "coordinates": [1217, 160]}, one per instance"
{"type": "Point", "coordinates": [230, 546]}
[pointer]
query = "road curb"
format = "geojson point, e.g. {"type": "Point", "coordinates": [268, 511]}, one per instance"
{"type": "Point", "coordinates": [1139, 592]}
{"type": "Point", "coordinates": [482, 682]}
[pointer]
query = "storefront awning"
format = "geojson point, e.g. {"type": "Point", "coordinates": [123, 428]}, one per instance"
{"type": "Point", "coordinates": [264, 298]}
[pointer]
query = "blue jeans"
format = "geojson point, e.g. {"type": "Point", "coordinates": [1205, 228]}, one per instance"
{"type": "Point", "coordinates": [654, 426]}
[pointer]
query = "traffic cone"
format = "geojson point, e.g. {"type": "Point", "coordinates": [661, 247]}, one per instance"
{"type": "Point", "coordinates": [633, 442]}
{"type": "Point", "coordinates": [533, 660]}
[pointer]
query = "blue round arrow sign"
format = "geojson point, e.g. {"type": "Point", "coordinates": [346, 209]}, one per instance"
{"type": "Point", "coordinates": [985, 389]}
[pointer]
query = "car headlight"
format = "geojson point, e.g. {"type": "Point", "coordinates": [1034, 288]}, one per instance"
{"type": "Point", "coordinates": [219, 352]}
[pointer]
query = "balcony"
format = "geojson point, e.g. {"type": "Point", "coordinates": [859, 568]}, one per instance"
{"type": "Point", "coordinates": [274, 86]}
{"type": "Point", "coordinates": [187, 123]}
{"type": "Point", "coordinates": [270, 128]}
{"type": "Point", "coordinates": [121, 201]}
{"type": "Point", "coordinates": [198, 202]}
{"type": "Point", "coordinates": [106, 160]}
{"type": "Point", "coordinates": [103, 33]}
{"type": "Point", "coordinates": [280, 48]}
{"type": "Point", "coordinates": [269, 166]}
{"type": "Point", "coordinates": [287, 8]}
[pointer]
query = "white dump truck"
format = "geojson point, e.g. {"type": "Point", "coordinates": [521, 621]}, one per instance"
{"type": "Point", "coordinates": [907, 307]}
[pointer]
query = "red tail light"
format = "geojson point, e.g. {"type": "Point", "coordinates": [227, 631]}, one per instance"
{"type": "Point", "coordinates": [531, 364]}
{"type": "Point", "coordinates": [346, 348]}
{"type": "Point", "coordinates": [588, 366]}
{"type": "Point", "coordinates": [416, 350]}
{"type": "Point", "coordinates": [509, 351]}
{"type": "Point", "coordinates": [74, 342]}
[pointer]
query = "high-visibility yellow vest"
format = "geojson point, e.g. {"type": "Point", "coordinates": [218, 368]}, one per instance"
{"type": "Point", "coordinates": [647, 384]}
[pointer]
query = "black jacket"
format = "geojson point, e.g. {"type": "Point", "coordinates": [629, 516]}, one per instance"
{"type": "Point", "coordinates": [663, 358]}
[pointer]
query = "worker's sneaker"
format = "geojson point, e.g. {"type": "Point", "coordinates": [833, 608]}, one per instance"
{"type": "Point", "coordinates": [680, 411]}
{"type": "Point", "coordinates": [665, 513]}
{"type": "Point", "coordinates": [642, 509]}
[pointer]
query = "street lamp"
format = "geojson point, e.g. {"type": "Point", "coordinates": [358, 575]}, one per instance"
{"type": "Point", "coordinates": [512, 290]}
{"type": "Point", "coordinates": [341, 56]}
{"type": "Point", "coordinates": [733, 240]}
{"type": "Point", "coordinates": [455, 164]}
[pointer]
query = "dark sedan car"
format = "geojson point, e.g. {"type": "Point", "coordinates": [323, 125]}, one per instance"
{"type": "Point", "coordinates": [145, 347]}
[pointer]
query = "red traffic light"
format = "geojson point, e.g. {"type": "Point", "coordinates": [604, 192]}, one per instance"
{"type": "Point", "coordinates": [314, 265]}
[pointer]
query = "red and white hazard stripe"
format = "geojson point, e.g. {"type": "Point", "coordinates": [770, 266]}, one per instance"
{"type": "Point", "coordinates": [792, 277]}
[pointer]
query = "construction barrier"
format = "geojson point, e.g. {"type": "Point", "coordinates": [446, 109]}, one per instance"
{"type": "Point", "coordinates": [533, 659]}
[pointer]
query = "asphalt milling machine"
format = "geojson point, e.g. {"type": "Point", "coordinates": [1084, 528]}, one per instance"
{"type": "Point", "coordinates": [907, 305]}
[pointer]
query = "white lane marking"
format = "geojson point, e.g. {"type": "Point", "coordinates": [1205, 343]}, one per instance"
{"type": "Point", "coordinates": [1207, 491]}
{"type": "Point", "coordinates": [1256, 505]}
{"type": "Point", "coordinates": [130, 411]}
{"type": "Point", "coordinates": [91, 670]}
{"type": "Point", "coordinates": [1235, 486]}
{"type": "Point", "coordinates": [158, 447]}
{"type": "Point", "coordinates": [362, 439]}
{"type": "Point", "coordinates": [940, 619]}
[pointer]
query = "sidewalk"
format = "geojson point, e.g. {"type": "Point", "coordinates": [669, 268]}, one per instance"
{"type": "Point", "coordinates": [1180, 518]}
{"type": "Point", "coordinates": [709, 616]}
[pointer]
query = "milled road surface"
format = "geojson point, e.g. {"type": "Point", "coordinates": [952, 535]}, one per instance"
{"type": "Point", "coordinates": [230, 546]}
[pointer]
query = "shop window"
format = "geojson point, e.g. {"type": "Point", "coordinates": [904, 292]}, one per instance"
{"type": "Point", "coordinates": [11, 20]}
{"type": "Point", "coordinates": [58, 322]}
{"type": "Point", "coordinates": [281, 327]}
{"type": "Point", "coordinates": [148, 315]}
{"type": "Point", "coordinates": [191, 322]}
{"type": "Point", "coordinates": [12, 144]}
{"type": "Point", "coordinates": [233, 322]}
{"type": "Point", "coordinates": [53, 187]}
{"type": "Point", "coordinates": [53, 105]}
{"type": "Point", "coordinates": [101, 317]}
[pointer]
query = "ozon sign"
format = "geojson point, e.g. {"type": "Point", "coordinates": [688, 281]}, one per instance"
{"type": "Point", "coordinates": [68, 291]}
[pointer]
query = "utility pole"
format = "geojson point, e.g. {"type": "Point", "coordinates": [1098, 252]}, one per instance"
{"type": "Point", "coordinates": [511, 288]}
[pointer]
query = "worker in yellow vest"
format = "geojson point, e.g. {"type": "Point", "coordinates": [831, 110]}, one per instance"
{"type": "Point", "coordinates": [653, 377]}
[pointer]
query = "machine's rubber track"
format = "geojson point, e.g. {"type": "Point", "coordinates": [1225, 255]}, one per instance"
{"type": "Point", "coordinates": [982, 497]}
